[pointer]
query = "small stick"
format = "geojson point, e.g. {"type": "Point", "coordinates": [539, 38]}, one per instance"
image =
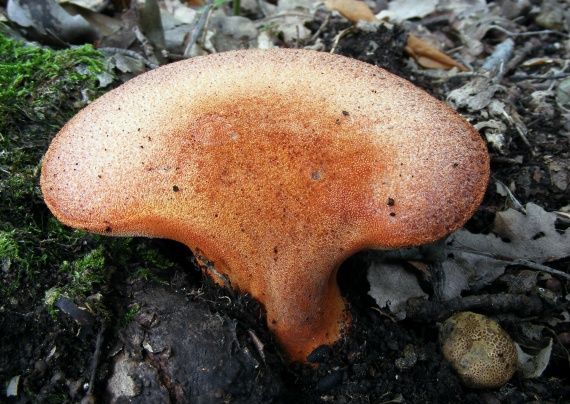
{"type": "Point", "coordinates": [258, 344]}
{"type": "Point", "coordinates": [542, 268]}
{"type": "Point", "coordinates": [429, 311]}
{"type": "Point", "coordinates": [321, 28]}
{"type": "Point", "coordinates": [339, 36]}
{"type": "Point", "coordinates": [199, 26]}
{"type": "Point", "coordinates": [529, 33]}
{"type": "Point", "coordinates": [95, 362]}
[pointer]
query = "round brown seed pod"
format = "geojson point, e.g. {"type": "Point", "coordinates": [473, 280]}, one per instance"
{"type": "Point", "coordinates": [480, 351]}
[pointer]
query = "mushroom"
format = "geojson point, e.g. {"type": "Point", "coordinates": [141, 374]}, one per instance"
{"type": "Point", "coordinates": [273, 166]}
{"type": "Point", "coordinates": [481, 352]}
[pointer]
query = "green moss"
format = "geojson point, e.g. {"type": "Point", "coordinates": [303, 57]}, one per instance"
{"type": "Point", "coordinates": [82, 278]}
{"type": "Point", "coordinates": [40, 89]}
{"type": "Point", "coordinates": [128, 317]}
{"type": "Point", "coordinates": [35, 81]}
{"type": "Point", "coordinates": [153, 263]}
{"type": "Point", "coordinates": [41, 259]}
{"type": "Point", "coordinates": [85, 271]}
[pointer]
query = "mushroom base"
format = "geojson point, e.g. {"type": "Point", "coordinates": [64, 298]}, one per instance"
{"type": "Point", "coordinates": [300, 324]}
{"type": "Point", "coordinates": [299, 335]}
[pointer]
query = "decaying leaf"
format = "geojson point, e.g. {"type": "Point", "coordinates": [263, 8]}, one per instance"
{"type": "Point", "coordinates": [468, 271]}
{"type": "Point", "coordinates": [391, 285]}
{"type": "Point", "coordinates": [475, 95]}
{"type": "Point", "coordinates": [532, 332]}
{"type": "Point", "coordinates": [494, 131]}
{"type": "Point", "coordinates": [476, 260]}
{"type": "Point", "coordinates": [428, 57]}
{"type": "Point", "coordinates": [354, 10]}
{"type": "Point", "coordinates": [49, 20]}
{"type": "Point", "coordinates": [533, 366]}
{"type": "Point", "coordinates": [408, 9]}
{"type": "Point", "coordinates": [559, 170]}
{"type": "Point", "coordinates": [518, 236]}
{"type": "Point", "coordinates": [12, 388]}
{"type": "Point", "coordinates": [563, 92]}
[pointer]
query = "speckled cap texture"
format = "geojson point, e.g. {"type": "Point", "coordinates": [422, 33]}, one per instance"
{"type": "Point", "coordinates": [275, 165]}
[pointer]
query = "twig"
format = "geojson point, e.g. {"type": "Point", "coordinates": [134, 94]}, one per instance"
{"type": "Point", "coordinates": [523, 137]}
{"type": "Point", "coordinates": [339, 36]}
{"type": "Point", "coordinates": [542, 268]}
{"type": "Point", "coordinates": [95, 362]}
{"type": "Point", "coordinates": [261, 5]}
{"type": "Point", "coordinates": [385, 314]}
{"type": "Point", "coordinates": [560, 344]}
{"type": "Point", "coordinates": [147, 45]}
{"type": "Point", "coordinates": [447, 74]}
{"type": "Point", "coordinates": [520, 54]}
{"type": "Point", "coordinates": [321, 28]}
{"type": "Point", "coordinates": [199, 26]}
{"type": "Point", "coordinates": [502, 54]}
{"type": "Point", "coordinates": [510, 261]}
{"type": "Point", "coordinates": [428, 311]}
{"type": "Point", "coordinates": [206, 25]}
{"type": "Point", "coordinates": [517, 205]}
{"type": "Point", "coordinates": [437, 280]}
{"type": "Point", "coordinates": [539, 76]}
{"type": "Point", "coordinates": [258, 344]}
{"type": "Point", "coordinates": [529, 33]}
{"type": "Point", "coordinates": [283, 15]}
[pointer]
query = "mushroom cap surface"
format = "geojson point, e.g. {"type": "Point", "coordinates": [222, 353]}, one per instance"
{"type": "Point", "coordinates": [273, 166]}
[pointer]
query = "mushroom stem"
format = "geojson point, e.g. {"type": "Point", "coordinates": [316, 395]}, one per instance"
{"type": "Point", "coordinates": [301, 318]}
{"type": "Point", "coordinates": [304, 319]}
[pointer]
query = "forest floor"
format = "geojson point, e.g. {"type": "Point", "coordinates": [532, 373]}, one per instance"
{"type": "Point", "coordinates": [89, 318]}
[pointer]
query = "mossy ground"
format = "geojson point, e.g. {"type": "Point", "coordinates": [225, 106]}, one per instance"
{"type": "Point", "coordinates": [35, 85]}
{"type": "Point", "coordinates": [40, 259]}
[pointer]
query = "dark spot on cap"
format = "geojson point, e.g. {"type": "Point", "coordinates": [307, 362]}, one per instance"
{"type": "Point", "coordinates": [175, 188]}
{"type": "Point", "coordinates": [391, 202]}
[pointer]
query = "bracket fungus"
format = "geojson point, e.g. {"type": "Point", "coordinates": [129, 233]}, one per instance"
{"type": "Point", "coordinates": [273, 166]}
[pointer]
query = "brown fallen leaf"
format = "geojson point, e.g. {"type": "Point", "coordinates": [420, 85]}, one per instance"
{"type": "Point", "coordinates": [428, 57]}
{"type": "Point", "coordinates": [354, 10]}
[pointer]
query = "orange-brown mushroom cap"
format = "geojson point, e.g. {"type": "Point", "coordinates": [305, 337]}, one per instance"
{"type": "Point", "coordinates": [276, 166]}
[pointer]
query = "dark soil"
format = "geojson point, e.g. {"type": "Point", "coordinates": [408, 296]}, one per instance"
{"type": "Point", "coordinates": [176, 337]}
